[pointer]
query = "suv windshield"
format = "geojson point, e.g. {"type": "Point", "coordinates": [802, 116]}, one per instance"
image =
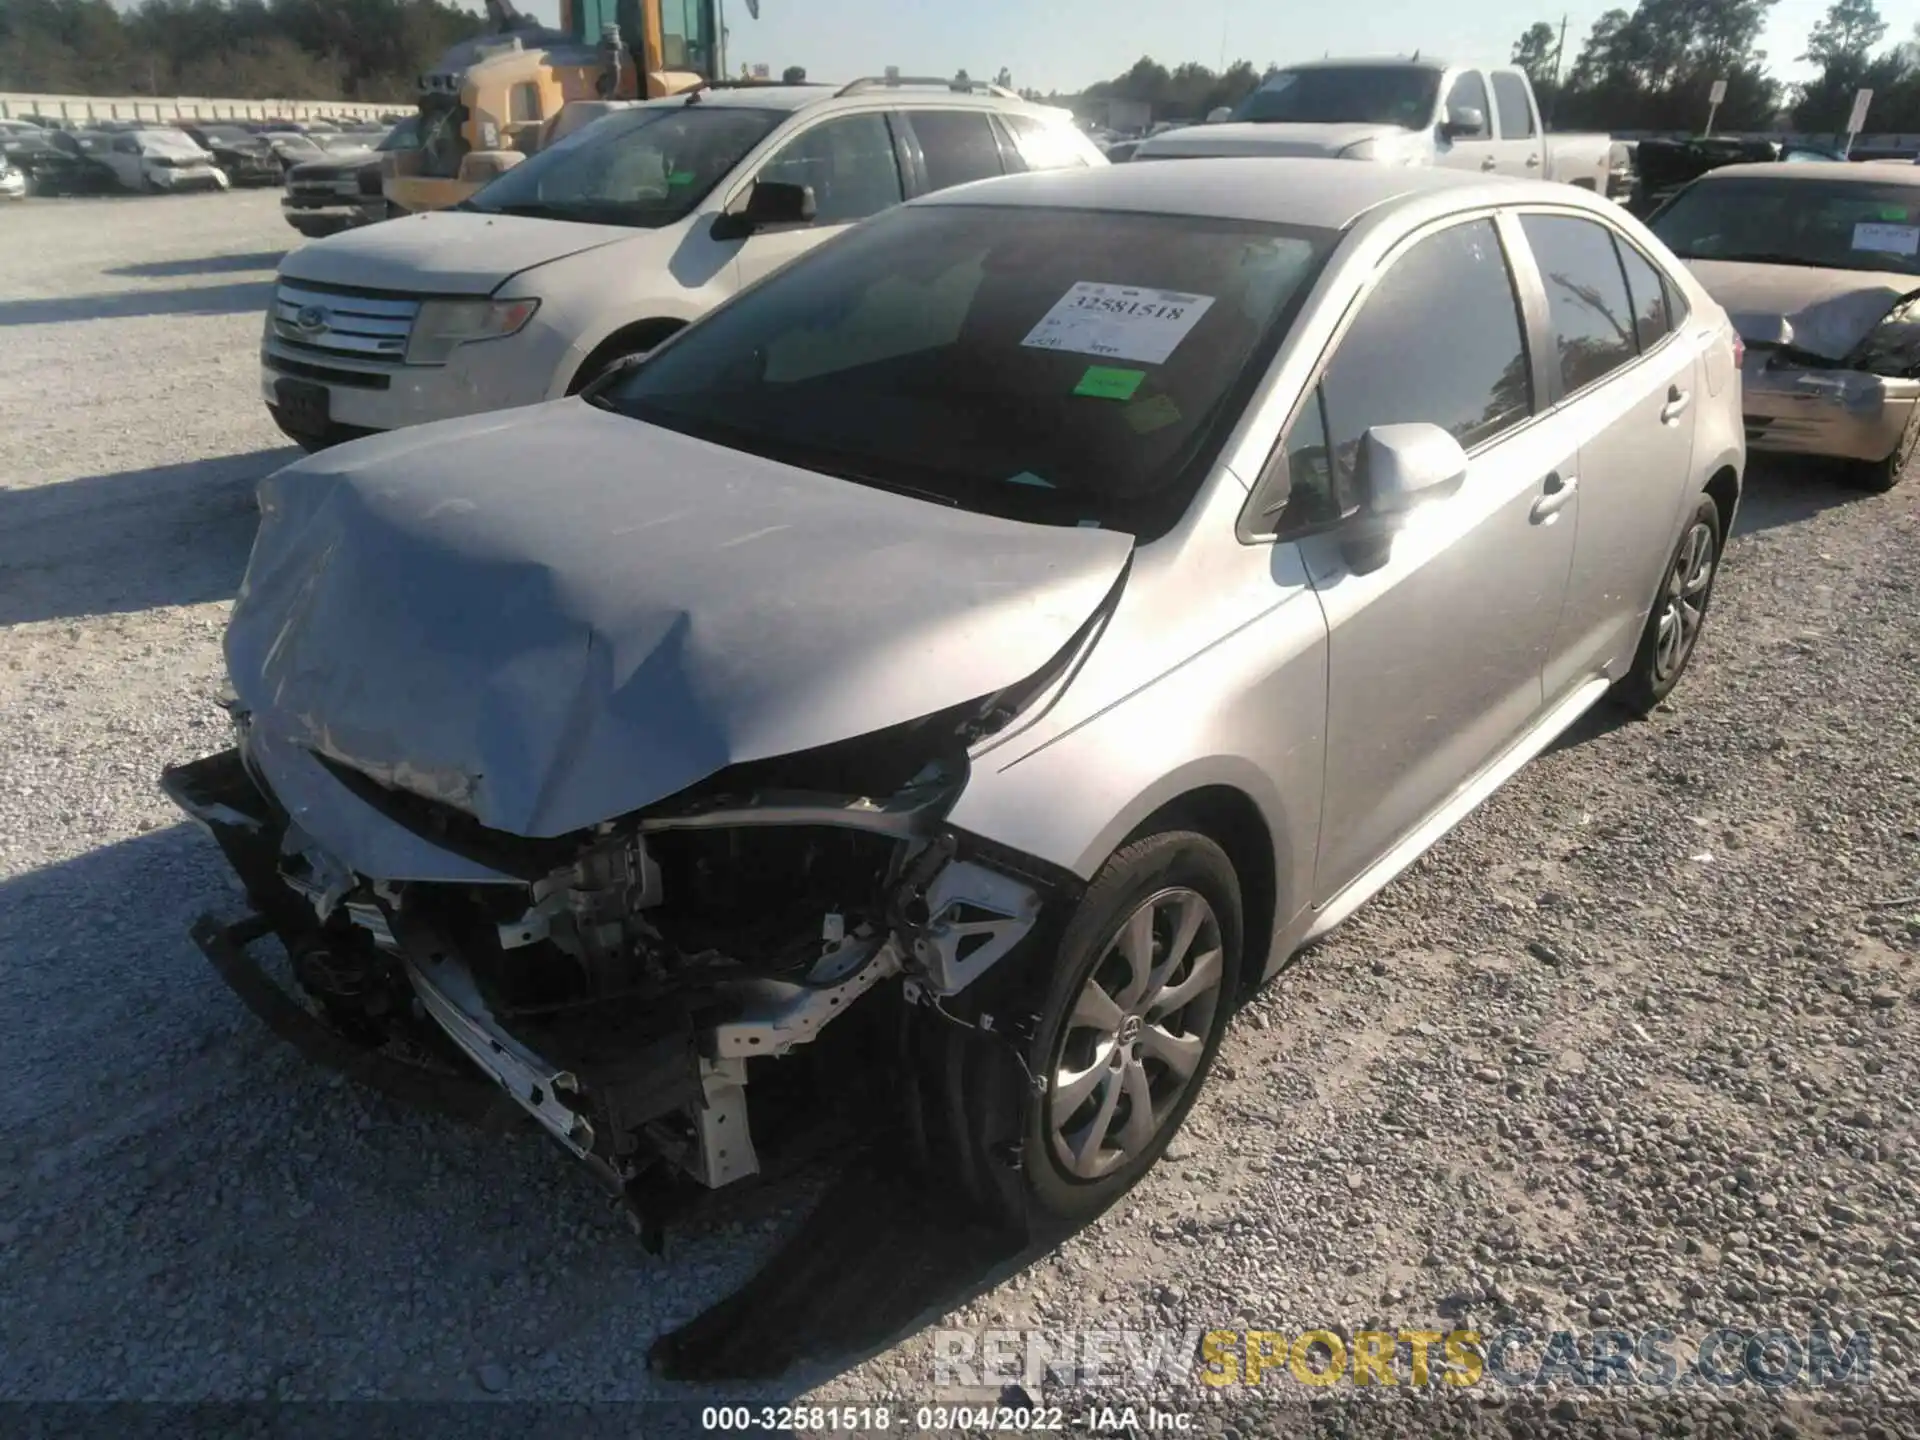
{"type": "Point", "coordinates": [1826, 224]}
{"type": "Point", "coordinates": [404, 136]}
{"type": "Point", "coordinates": [1403, 95]}
{"type": "Point", "coordinates": [644, 167]}
{"type": "Point", "coordinates": [1070, 367]}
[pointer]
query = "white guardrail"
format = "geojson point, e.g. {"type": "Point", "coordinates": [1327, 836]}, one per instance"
{"type": "Point", "coordinates": [185, 107]}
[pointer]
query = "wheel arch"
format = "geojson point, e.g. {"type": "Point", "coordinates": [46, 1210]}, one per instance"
{"type": "Point", "coordinates": [1724, 488]}
{"type": "Point", "coordinates": [1229, 817]}
{"type": "Point", "coordinates": [639, 335]}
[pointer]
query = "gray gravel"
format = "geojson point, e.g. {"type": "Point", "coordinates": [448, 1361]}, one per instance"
{"type": "Point", "coordinates": [1638, 1045]}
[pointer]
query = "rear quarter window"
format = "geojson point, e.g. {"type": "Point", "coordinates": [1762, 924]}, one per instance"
{"type": "Point", "coordinates": [958, 146]}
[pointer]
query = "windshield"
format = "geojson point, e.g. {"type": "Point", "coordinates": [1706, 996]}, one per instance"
{"type": "Point", "coordinates": [643, 167]}
{"type": "Point", "coordinates": [1403, 95]}
{"type": "Point", "coordinates": [1830, 225]}
{"type": "Point", "coordinates": [1069, 367]}
{"type": "Point", "coordinates": [404, 136]}
{"type": "Point", "coordinates": [169, 142]}
{"type": "Point", "coordinates": [343, 144]}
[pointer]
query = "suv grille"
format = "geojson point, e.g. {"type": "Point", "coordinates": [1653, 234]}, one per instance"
{"type": "Point", "coordinates": [320, 320]}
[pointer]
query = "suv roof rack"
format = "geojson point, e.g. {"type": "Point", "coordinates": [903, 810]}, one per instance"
{"type": "Point", "coordinates": [897, 82]}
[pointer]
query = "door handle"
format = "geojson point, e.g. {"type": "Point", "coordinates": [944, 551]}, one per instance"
{"type": "Point", "coordinates": [1676, 406]}
{"type": "Point", "coordinates": [1555, 495]}
{"type": "Point", "coordinates": [1533, 162]}
{"type": "Point", "coordinates": [1489, 163]}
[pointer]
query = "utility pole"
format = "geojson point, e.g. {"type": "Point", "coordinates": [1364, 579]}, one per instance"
{"type": "Point", "coordinates": [1559, 54]}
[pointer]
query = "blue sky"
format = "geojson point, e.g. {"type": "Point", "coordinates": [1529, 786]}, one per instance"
{"type": "Point", "coordinates": [1065, 44]}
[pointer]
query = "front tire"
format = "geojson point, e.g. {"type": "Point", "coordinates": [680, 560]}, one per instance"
{"type": "Point", "coordinates": [1679, 613]}
{"type": "Point", "coordinates": [1880, 476]}
{"type": "Point", "coordinates": [1132, 1017]}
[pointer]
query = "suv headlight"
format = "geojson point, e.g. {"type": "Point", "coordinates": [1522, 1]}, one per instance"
{"type": "Point", "coordinates": [444, 325]}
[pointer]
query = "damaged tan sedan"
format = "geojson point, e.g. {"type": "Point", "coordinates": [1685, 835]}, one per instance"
{"type": "Point", "coordinates": [965, 663]}
{"type": "Point", "coordinates": [1819, 265]}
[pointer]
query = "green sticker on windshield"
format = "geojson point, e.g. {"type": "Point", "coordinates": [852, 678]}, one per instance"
{"type": "Point", "coordinates": [680, 177]}
{"type": "Point", "coordinates": [1150, 415]}
{"type": "Point", "coordinates": [1103, 382]}
{"type": "Point", "coordinates": [1894, 212]}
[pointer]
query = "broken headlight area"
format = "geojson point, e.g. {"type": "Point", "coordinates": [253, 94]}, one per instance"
{"type": "Point", "coordinates": [624, 984]}
{"type": "Point", "coordinates": [1892, 348]}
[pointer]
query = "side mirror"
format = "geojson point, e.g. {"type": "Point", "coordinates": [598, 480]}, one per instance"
{"type": "Point", "coordinates": [771, 204]}
{"type": "Point", "coordinates": [1464, 122]}
{"type": "Point", "coordinates": [1400, 467]}
{"type": "Point", "coordinates": [1219, 114]}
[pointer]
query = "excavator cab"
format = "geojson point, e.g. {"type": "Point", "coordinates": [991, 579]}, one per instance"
{"type": "Point", "coordinates": [488, 102]}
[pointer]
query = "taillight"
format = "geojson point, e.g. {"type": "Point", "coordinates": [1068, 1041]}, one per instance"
{"type": "Point", "coordinates": [1739, 350]}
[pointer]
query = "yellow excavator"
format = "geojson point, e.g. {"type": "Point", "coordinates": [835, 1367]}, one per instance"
{"type": "Point", "coordinates": [488, 102]}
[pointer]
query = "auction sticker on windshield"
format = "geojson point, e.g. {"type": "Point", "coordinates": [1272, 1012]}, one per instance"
{"type": "Point", "coordinates": [1887, 239]}
{"type": "Point", "coordinates": [1124, 322]}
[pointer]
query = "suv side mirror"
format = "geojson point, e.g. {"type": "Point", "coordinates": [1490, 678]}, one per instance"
{"type": "Point", "coordinates": [1219, 115]}
{"type": "Point", "coordinates": [1400, 467]}
{"type": "Point", "coordinates": [771, 204]}
{"type": "Point", "coordinates": [1463, 122]}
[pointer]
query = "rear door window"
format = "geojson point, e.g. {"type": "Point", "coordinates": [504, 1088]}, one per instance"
{"type": "Point", "coordinates": [1647, 289]}
{"type": "Point", "coordinates": [1516, 115]}
{"type": "Point", "coordinates": [958, 145]}
{"type": "Point", "coordinates": [1587, 302]}
{"type": "Point", "coordinates": [1041, 146]}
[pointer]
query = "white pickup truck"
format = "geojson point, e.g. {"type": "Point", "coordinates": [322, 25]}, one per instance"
{"type": "Point", "coordinates": [1398, 112]}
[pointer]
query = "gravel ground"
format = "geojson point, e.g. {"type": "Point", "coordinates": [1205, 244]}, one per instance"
{"type": "Point", "coordinates": [1637, 1046]}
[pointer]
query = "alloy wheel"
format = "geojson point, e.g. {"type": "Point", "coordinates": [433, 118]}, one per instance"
{"type": "Point", "coordinates": [1136, 1035]}
{"type": "Point", "coordinates": [1684, 602]}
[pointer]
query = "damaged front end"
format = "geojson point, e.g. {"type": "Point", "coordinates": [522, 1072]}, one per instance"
{"type": "Point", "coordinates": [1813, 388]}
{"type": "Point", "coordinates": [625, 983]}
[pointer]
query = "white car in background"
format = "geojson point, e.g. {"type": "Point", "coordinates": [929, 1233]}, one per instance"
{"type": "Point", "coordinates": [161, 160]}
{"type": "Point", "coordinates": [13, 184]}
{"type": "Point", "coordinates": [599, 247]}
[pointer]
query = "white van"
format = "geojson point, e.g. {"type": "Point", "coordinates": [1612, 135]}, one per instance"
{"type": "Point", "coordinates": [605, 244]}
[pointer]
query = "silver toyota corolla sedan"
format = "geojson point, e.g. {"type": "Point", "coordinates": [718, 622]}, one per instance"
{"type": "Point", "coordinates": [969, 660]}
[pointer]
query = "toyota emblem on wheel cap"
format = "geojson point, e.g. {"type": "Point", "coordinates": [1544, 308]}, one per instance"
{"type": "Point", "coordinates": [311, 318]}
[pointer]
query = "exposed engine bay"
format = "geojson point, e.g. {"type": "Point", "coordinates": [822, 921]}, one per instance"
{"type": "Point", "coordinates": [629, 981]}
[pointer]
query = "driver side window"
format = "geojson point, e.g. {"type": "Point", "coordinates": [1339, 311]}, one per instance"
{"type": "Point", "coordinates": [1469, 92]}
{"type": "Point", "coordinates": [850, 164]}
{"type": "Point", "coordinates": [1440, 340]}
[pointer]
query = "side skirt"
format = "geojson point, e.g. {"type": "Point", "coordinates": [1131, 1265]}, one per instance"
{"type": "Point", "coordinates": [1461, 804]}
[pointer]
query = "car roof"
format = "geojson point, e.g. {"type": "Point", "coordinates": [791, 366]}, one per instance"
{"type": "Point", "coordinates": [801, 97]}
{"type": "Point", "coordinates": [1420, 62]}
{"type": "Point", "coordinates": [1325, 194]}
{"type": "Point", "coordinates": [1858, 171]}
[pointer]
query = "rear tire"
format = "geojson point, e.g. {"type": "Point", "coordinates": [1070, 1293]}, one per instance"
{"type": "Point", "coordinates": [1131, 1019]}
{"type": "Point", "coordinates": [1679, 613]}
{"type": "Point", "coordinates": [1880, 476]}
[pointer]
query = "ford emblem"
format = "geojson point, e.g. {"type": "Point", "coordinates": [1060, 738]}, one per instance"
{"type": "Point", "coordinates": [311, 318]}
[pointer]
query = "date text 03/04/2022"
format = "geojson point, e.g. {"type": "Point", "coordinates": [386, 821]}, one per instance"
{"type": "Point", "coordinates": [943, 1419]}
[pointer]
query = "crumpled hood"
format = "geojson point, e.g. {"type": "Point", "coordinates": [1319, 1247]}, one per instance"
{"type": "Point", "coordinates": [444, 252]}
{"type": "Point", "coordinates": [1263, 138]}
{"type": "Point", "coordinates": [552, 616]}
{"type": "Point", "coordinates": [1830, 311]}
